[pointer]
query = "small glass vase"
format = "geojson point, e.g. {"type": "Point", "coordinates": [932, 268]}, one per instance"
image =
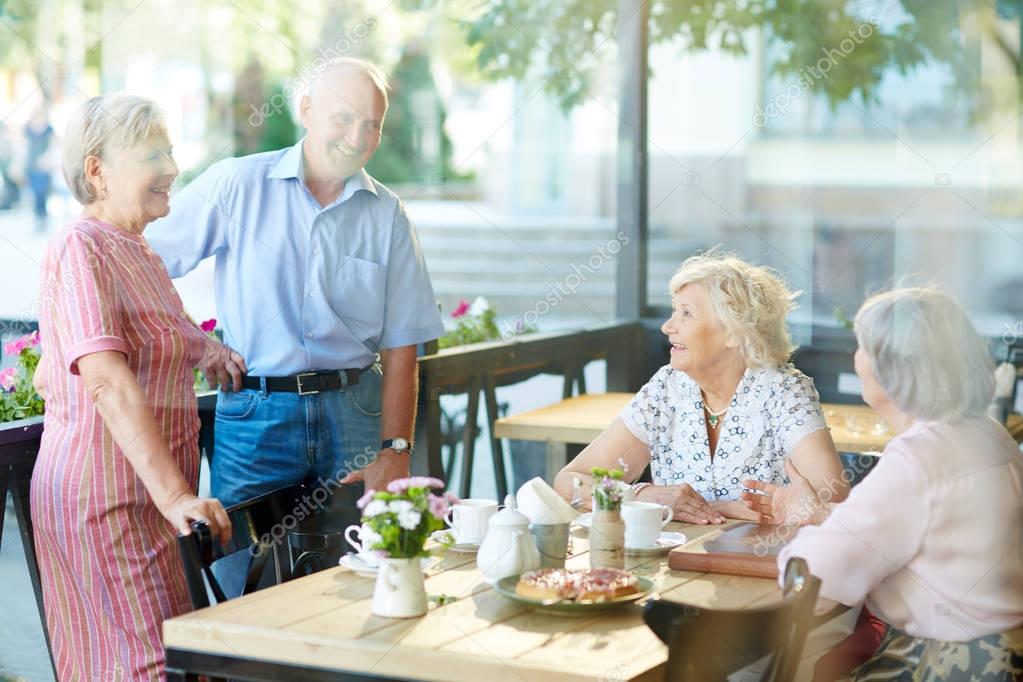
{"type": "Point", "coordinates": [607, 539]}
{"type": "Point", "coordinates": [399, 590]}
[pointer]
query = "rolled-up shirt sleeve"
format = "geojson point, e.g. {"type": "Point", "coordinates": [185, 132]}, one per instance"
{"type": "Point", "coordinates": [873, 534]}
{"type": "Point", "coordinates": [84, 300]}
{"type": "Point", "coordinates": [410, 312]}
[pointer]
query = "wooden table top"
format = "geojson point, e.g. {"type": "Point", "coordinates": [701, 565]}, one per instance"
{"type": "Point", "coordinates": [582, 418]}
{"type": "Point", "coordinates": [324, 621]}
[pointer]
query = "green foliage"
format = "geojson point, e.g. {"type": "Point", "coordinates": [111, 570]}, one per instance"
{"type": "Point", "coordinates": [608, 487]}
{"type": "Point", "coordinates": [23, 402]}
{"type": "Point", "coordinates": [416, 148]}
{"type": "Point", "coordinates": [472, 329]}
{"type": "Point", "coordinates": [843, 319]}
{"type": "Point", "coordinates": [401, 521]}
{"type": "Point", "coordinates": [18, 17]}
{"type": "Point", "coordinates": [563, 41]}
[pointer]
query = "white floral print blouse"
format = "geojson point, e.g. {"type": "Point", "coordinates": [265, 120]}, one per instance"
{"type": "Point", "coordinates": [772, 410]}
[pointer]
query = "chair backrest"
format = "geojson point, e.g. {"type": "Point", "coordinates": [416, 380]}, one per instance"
{"type": "Point", "coordinates": [259, 532]}
{"type": "Point", "coordinates": [856, 465]}
{"type": "Point", "coordinates": [710, 644]}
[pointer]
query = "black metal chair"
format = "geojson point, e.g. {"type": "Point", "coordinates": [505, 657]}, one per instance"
{"type": "Point", "coordinates": [259, 531]}
{"type": "Point", "coordinates": [707, 645]}
{"type": "Point", "coordinates": [857, 465]}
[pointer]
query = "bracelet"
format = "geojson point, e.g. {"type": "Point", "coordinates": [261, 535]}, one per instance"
{"type": "Point", "coordinates": [637, 487]}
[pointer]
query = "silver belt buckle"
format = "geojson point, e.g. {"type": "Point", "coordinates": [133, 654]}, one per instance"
{"type": "Point", "coordinates": [302, 391]}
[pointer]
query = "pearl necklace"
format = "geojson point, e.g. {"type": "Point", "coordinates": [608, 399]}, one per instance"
{"type": "Point", "coordinates": [712, 416]}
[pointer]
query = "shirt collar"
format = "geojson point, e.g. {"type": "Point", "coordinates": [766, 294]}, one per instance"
{"type": "Point", "coordinates": [290, 166]}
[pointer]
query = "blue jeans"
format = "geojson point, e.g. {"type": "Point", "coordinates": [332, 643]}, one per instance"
{"type": "Point", "coordinates": [263, 441]}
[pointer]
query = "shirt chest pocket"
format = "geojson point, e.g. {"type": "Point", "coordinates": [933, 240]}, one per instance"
{"type": "Point", "coordinates": [357, 295]}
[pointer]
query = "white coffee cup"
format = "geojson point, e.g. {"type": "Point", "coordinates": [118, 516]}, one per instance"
{"type": "Point", "coordinates": [469, 520]}
{"type": "Point", "coordinates": [361, 542]}
{"type": "Point", "coordinates": [643, 523]}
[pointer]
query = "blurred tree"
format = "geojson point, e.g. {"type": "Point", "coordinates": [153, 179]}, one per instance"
{"type": "Point", "coordinates": [262, 115]}
{"type": "Point", "coordinates": [416, 148]}
{"type": "Point", "coordinates": [567, 39]}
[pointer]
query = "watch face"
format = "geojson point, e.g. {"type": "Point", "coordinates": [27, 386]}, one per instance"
{"type": "Point", "coordinates": [399, 444]}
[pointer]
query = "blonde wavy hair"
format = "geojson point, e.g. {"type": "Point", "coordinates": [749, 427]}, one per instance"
{"type": "Point", "coordinates": [751, 301]}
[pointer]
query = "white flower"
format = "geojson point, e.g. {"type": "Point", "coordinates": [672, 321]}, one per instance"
{"type": "Point", "coordinates": [407, 515]}
{"type": "Point", "coordinates": [369, 537]}
{"type": "Point", "coordinates": [398, 506]}
{"type": "Point", "coordinates": [479, 306]}
{"type": "Point", "coordinates": [409, 519]}
{"type": "Point", "coordinates": [374, 508]}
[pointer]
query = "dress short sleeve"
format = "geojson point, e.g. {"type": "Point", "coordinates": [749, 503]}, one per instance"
{"type": "Point", "coordinates": [83, 299]}
{"type": "Point", "coordinates": [644, 414]}
{"type": "Point", "coordinates": [799, 410]}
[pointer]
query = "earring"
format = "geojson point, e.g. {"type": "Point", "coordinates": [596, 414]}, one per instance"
{"type": "Point", "coordinates": [103, 193]}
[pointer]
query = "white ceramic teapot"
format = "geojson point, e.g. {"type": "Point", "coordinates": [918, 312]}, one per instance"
{"type": "Point", "coordinates": [508, 548]}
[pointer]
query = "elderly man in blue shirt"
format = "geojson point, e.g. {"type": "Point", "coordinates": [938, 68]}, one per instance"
{"type": "Point", "coordinates": [317, 271]}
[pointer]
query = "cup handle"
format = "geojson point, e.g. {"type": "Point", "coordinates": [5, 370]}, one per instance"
{"type": "Point", "coordinates": [354, 543]}
{"type": "Point", "coordinates": [449, 518]}
{"type": "Point", "coordinates": [393, 579]}
{"type": "Point", "coordinates": [671, 515]}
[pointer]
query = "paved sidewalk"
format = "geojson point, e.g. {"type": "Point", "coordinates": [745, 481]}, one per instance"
{"type": "Point", "coordinates": [22, 646]}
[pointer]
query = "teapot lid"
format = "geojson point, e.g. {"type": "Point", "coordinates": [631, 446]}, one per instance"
{"type": "Point", "coordinates": [509, 517]}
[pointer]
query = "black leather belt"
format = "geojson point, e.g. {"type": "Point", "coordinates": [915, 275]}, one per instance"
{"type": "Point", "coordinates": [307, 383]}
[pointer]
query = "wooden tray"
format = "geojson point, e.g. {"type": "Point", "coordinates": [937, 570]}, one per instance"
{"type": "Point", "coordinates": [748, 549]}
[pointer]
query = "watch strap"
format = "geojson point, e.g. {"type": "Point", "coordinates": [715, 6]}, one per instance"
{"type": "Point", "coordinates": [390, 442]}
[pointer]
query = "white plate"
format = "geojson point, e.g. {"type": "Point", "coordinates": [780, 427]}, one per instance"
{"type": "Point", "coordinates": [445, 538]}
{"type": "Point", "coordinates": [584, 520]}
{"type": "Point", "coordinates": [665, 543]}
{"type": "Point", "coordinates": [355, 564]}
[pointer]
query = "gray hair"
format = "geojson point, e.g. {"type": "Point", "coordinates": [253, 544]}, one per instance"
{"type": "Point", "coordinates": [101, 124]}
{"type": "Point", "coordinates": [368, 69]}
{"type": "Point", "coordinates": [926, 354]}
{"type": "Point", "coordinates": [751, 301]}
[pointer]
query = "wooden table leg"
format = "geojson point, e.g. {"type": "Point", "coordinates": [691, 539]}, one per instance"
{"type": "Point", "coordinates": [496, 447]}
{"type": "Point", "coordinates": [469, 438]}
{"type": "Point", "coordinates": [21, 485]}
{"type": "Point", "coordinates": [434, 459]}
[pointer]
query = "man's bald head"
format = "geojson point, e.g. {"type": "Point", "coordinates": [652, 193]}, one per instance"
{"type": "Point", "coordinates": [343, 114]}
{"type": "Point", "coordinates": [340, 71]}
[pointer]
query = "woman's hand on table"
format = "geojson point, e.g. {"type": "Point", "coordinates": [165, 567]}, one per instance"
{"type": "Point", "coordinates": [734, 509]}
{"type": "Point", "coordinates": [793, 504]}
{"type": "Point", "coordinates": [183, 510]}
{"type": "Point", "coordinates": [687, 505]}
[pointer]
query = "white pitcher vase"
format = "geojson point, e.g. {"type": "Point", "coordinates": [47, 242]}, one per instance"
{"type": "Point", "coordinates": [399, 590]}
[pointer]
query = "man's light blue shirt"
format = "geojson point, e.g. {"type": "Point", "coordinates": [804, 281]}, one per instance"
{"type": "Point", "coordinates": [299, 286]}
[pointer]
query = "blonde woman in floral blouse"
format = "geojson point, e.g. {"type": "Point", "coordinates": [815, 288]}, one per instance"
{"type": "Point", "coordinates": [729, 407]}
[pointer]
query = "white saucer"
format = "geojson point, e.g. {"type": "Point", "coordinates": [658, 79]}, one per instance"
{"type": "Point", "coordinates": [584, 520]}
{"type": "Point", "coordinates": [355, 564]}
{"type": "Point", "coordinates": [665, 543]}
{"type": "Point", "coordinates": [447, 539]}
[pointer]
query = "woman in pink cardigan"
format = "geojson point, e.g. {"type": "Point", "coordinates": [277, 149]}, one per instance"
{"type": "Point", "coordinates": [932, 539]}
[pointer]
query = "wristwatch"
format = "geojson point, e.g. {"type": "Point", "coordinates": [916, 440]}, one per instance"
{"type": "Point", "coordinates": [397, 444]}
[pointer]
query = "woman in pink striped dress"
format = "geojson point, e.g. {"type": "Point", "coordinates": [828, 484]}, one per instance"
{"type": "Point", "coordinates": [118, 466]}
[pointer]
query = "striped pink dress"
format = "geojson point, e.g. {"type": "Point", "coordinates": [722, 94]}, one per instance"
{"type": "Point", "coordinates": [108, 560]}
